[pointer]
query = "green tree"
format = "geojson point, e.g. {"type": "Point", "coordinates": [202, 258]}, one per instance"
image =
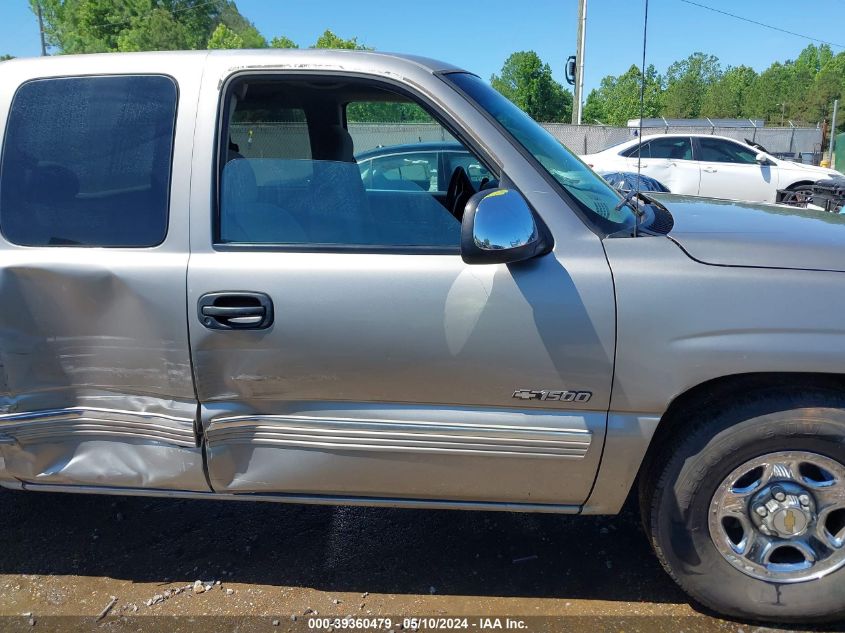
{"type": "Point", "coordinates": [770, 91]}
{"type": "Point", "coordinates": [801, 90]}
{"type": "Point", "coordinates": [617, 99]}
{"type": "Point", "coordinates": [85, 26]}
{"type": "Point", "coordinates": [529, 84]}
{"type": "Point", "coordinates": [687, 82]}
{"type": "Point", "coordinates": [232, 18]}
{"type": "Point", "coordinates": [381, 112]}
{"type": "Point", "coordinates": [283, 42]}
{"type": "Point", "coordinates": [92, 26]}
{"type": "Point", "coordinates": [726, 97]}
{"type": "Point", "coordinates": [330, 40]}
{"type": "Point", "coordinates": [828, 84]}
{"type": "Point", "coordinates": [3, 58]}
{"type": "Point", "coordinates": [160, 32]}
{"type": "Point", "coordinates": [224, 37]}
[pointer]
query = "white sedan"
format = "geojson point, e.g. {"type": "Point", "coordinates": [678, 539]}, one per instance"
{"type": "Point", "coordinates": [712, 166]}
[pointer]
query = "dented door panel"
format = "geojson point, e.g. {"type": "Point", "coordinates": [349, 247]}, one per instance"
{"type": "Point", "coordinates": [96, 386]}
{"type": "Point", "coordinates": [423, 452]}
{"type": "Point", "coordinates": [95, 374]}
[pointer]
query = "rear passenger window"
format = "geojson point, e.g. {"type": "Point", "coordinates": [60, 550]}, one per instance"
{"type": "Point", "coordinates": [86, 162]}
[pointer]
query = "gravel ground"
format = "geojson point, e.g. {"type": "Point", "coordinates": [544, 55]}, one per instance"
{"type": "Point", "coordinates": [136, 563]}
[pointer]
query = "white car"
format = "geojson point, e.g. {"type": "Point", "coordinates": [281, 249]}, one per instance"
{"type": "Point", "coordinates": [712, 166]}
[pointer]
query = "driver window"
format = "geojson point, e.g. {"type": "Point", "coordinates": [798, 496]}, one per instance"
{"type": "Point", "coordinates": [716, 150]}
{"type": "Point", "coordinates": [328, 163]}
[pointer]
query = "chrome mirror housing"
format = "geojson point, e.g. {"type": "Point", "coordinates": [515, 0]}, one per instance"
{"type": "Point", "coordinates": [499, 227]}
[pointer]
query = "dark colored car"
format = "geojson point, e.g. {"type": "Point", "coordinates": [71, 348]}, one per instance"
{"type": "Point", "coordinates": [429, 166]}
{"type": "Point", "coordinates": [418, 166]}
{"type": "Point", "coordinates": [626, 181]}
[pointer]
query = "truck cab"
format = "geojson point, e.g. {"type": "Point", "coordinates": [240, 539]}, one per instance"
{"type": "Point", "coordinates": [199, 297]}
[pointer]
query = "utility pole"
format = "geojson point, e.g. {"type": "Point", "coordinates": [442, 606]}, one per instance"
{"type": "Point", "coordinates": [579, 62]}
{"type": "Point", "coordinates": [41, 27]}
{"type": "Point", "coordinates": [833, 129]}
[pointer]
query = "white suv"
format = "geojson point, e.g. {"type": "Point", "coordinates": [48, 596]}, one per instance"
{"type": "Point", "coordinates": [706, 165]}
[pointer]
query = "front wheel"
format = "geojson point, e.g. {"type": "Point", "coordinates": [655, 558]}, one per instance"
{"type": "Point", "coordinates": [746, 510]}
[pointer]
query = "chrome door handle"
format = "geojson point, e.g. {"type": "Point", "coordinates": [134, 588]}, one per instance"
{"type": "Point", "coordinates": [246, 320]}
{"type": "Point", "coordinates": [235, 310]}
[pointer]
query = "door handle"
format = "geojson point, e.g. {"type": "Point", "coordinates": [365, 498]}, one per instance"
{"type": "Point", "coordinates": [710, 170]}
{"type": "Point", "coordinates": [235, 311]}
{"type": "Point", "coordinates": [240, 315]}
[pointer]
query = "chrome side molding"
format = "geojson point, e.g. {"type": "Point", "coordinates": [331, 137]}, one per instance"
{"type": "Point", "coordinates": [55, 425]}
{"type": "Point", "coordinates": [398, 436]}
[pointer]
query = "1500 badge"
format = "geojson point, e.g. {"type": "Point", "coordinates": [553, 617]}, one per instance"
{"type": "Point", "coordinates": [544, 394]}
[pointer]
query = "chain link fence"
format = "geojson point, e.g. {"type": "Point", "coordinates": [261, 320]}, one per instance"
{"type": "Point", "coordinates": [790, 142]}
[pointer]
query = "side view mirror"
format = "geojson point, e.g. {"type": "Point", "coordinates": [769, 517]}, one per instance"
{"type": "Point", "coordinates": [499, 227]}
{"type": "Point", "coordinates": [571, 69]}
{"type": "Point", "coordinates": [762, 159]}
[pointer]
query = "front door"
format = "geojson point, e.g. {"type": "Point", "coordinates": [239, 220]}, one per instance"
{"type": "Point", "coordinates": [730, 170]}
{"type": "Point", "coordinates": [343, 349]}
{"type": "Point", "coordinates": [95, 374]}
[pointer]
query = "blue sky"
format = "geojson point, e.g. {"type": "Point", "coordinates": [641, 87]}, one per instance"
{"type": "Point", "coordinates": [480, 35]}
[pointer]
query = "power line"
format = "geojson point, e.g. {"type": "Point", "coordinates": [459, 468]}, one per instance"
{"type": "Point", "coordinates": [768, 26]}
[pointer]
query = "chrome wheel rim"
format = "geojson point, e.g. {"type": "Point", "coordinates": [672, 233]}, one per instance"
{"type": "Point", "coordinates": [781, 517]}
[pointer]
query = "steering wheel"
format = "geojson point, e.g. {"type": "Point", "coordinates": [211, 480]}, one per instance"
{"type": "Point", "coordinates": [459, 192]}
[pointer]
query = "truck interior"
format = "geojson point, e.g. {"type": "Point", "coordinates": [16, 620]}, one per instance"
{"type": "Point", "coordinates": [288, 173]}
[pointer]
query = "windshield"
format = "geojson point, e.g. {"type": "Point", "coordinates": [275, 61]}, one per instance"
{"type": "Point", "coordinates": [596, 197]}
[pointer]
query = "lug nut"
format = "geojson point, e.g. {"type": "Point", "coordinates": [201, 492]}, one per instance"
{"type": "Point", "coordinates": [804, 499]}
{"type": "Point", "coordinates": [779, 494]}
{"type": "Point", "coordinates": [761, 510]}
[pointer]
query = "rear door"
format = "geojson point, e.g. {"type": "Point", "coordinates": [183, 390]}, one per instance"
{"type": "Point", "coordinates": [95, 375]}
{"type": "Point", "coordinates": [730, 170]}
{"type": "Point", "coordinates": [669, 160]}
{"type": "Point", "coordinates": [390, 368]}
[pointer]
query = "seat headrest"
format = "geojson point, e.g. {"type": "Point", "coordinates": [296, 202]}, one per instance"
{"type": "Point", "coordinates": [336, 144]}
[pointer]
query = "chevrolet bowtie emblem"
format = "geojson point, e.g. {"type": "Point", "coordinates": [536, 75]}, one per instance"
{"type": "Point", "coordinates": [789, 521]}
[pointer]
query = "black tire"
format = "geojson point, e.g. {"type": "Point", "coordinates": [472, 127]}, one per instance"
{"type": "Point", "coordinates": [681, 477]}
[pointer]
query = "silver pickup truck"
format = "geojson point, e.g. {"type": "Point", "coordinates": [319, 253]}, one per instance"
{"type": "Point", "coordinates": [201, 297]}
